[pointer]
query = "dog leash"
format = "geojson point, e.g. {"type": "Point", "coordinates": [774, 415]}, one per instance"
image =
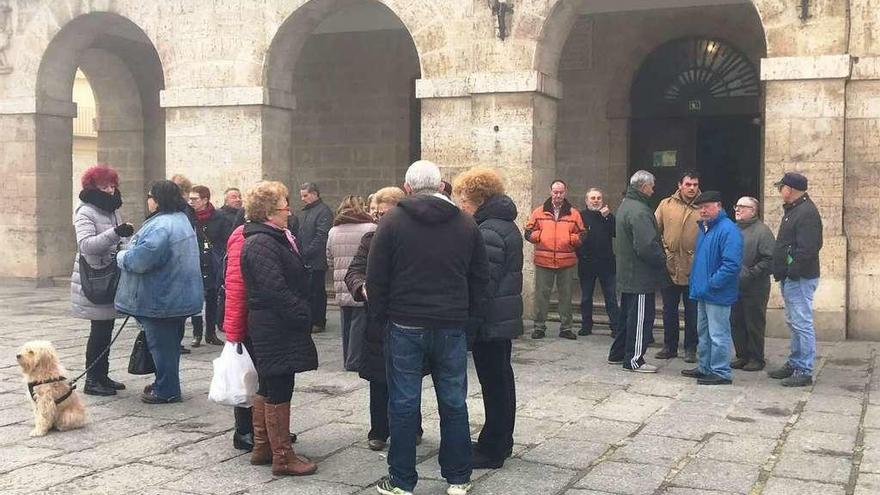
{"type": "Point", "coordinates": [72, 383]}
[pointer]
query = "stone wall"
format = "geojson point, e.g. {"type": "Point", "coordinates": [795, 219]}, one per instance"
{"type": "Point", "coordinates": [353, 123]}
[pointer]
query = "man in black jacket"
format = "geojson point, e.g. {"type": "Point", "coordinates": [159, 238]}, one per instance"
{"type": "Point", "coordinates": [596, 260]}
{"type": "Point", "coordinates": [426, 269]}
{"type": "Point", "coordinates": [796, 268]}
{"type": "Point", "coordinates": [313, 224]}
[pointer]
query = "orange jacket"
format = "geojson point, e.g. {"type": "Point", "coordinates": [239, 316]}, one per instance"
{"type": "Point", "coordinates": [555, 240]}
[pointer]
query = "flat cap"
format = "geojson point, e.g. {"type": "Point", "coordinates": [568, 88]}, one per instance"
{"type": "Point", "coordinates": [793, 180]}
{"type": "Point", "coordinates": [708, 197]}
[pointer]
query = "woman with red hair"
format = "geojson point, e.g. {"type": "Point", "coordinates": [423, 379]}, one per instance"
{"type": "Point", "coordinates": [99, 235]}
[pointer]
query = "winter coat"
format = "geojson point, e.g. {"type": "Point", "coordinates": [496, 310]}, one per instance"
{"type": "Point", "coordinates": [597, 250]}
{"type": "Point", "coordinates": [311, 228]}
{"type": "Point", "coordinates": [212, 235]}
{"type": "Point", "coordinates": [504, 305]}
{"type": "Point", "coordinates": [641, 262]}
{"type": "Point", "coordinates": [98, 243]}
{"type": "Point", "coordinates": [677, 224]}
{"type": "Point", "coordinates": [342, 245]}
{"type": "Point", "coordinates": [796, 252]}
{"type": "Point", "coordinates": [235, 313]}
{"type": "Point", "coordinates": [278, 318]}
{"type": "Point", "coordinates": [427, 266]}
{"type": "Point", "coordinates": [757, 262]}
{"type": "Point", "coordinates": [160, 275]}
{"type": "Point", "coordinates": [717, 262]}
{"type": "Point", "coordinates": [555, 239]}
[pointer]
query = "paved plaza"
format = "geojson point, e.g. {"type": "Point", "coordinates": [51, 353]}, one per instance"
{"type": "Point", "coordinates": [583, 427]}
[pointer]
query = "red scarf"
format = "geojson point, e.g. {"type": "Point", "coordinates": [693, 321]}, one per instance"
{"type": "Point", "coordinates": [205, 214]}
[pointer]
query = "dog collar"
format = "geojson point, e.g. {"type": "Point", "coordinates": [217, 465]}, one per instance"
{"type": "Point", "coordinates": [59, 400]}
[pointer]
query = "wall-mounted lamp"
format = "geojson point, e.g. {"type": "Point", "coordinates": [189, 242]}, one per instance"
{"type": "Point", "coordinates": [501, 10]}
{"type": "Point", "coordinates": [804, 10]}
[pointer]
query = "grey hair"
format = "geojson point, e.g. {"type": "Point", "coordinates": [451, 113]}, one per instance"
{"type": "Point", "coordinates": [595, 189]}
{"type": "Point", "coordinates": [310, 187]}
{"type": "Point", "coordinates": [640, 178]}
{"type": "Point", "coordinates": [754, 202]}
{"type": "Point", "coordinates": [423, 176]}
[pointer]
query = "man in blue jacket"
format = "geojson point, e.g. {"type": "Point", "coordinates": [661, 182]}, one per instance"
{"type": "Point", "coordinates": [713, 284]}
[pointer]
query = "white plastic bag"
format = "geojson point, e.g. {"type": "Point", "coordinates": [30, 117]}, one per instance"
{"type": "Point", "coordinates": [235, 379]}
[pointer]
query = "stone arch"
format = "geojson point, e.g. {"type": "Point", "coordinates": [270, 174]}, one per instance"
{"type": "Point", "coordinates": [342, 111]}
{"type": "Point", "coordinates": [125, 72]}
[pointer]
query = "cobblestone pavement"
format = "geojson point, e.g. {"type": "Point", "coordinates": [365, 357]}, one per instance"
{"type": "Point", "coordinates": [583, 427]}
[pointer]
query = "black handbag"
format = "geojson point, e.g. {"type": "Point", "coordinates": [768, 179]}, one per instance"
{"type": "Point", "coordinates": [98, 284]}
{"type": "Point", "coordinates": [141, 362]}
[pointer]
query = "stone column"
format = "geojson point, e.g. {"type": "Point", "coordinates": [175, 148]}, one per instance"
{"type": "Point", "coordinates": [505, 121]}
{"type": "Point", "coordinates": [805, 111]}
{"type": "Point", "coordinates": [227, 137]}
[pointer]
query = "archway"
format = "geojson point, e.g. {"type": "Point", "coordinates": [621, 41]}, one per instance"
{"type": "Point", "coordinates": [696, 106]}
{"type": "Point", "coordinates": [350, 67]}
{"type": "Point", "coordinates": [125, 73]}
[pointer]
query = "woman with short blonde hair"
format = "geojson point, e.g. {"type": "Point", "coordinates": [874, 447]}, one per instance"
{"type": "Point", "coordinates": [260, 200]}
{"type": "Point", "coordinates": [473, 187]}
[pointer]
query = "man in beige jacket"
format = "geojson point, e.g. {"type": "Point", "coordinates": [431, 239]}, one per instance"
{"type": "Point", "coordinates": [677, 221]}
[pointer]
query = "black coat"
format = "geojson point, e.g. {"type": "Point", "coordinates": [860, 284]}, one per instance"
{"type": "Point", "coordinates": [278, 319]}
{"type": "Point", "coordinates": [597, 250]}
{"type": "Point", "coordinates": [212, 236]}
{"type": "Point", "coordinates": [799, 237]}
{"type": "Point", "coordinates": [427, 266]}
{"type": "Point", "coordinates": [311, 227]}
{"type": "Point", "coordinates": [504, 250]}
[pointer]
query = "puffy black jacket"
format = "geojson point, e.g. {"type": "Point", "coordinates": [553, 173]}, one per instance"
{"type": "Point", "coordinates": [373, 358]}
{"type": "Point", "coordinates": [799, 237]}
{"type": "Point", "coordinates": [311, 227]}
{"type": "Point", "coordinates": [427, 266]}
{"type": "Point", "coordinates": [278, 319]}
{"type": "Point", "coordinates": [504, 250]}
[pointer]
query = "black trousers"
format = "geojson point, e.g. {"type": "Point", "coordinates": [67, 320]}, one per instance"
{"type": "Point", "coordinates": [99, 339]}
{"type": "Point", "coordinates": [318, 298]}
{"type": "Point", "coordinates": [492, 362]}
{"type": "Point", "coordinates": [672, 295]}
{"type": "Point", "coordinates": [587, 275]}
{"type": "Point", "coordinates": [636, 323]}
{"type": "Point", "coordinates": [379, 429]}
{"type": "Point", "coordinates": [277, 389]}
{"type": "Point", "coordinates": [210, 320]}
{"type": "Point", "coordinates": [748, 319]}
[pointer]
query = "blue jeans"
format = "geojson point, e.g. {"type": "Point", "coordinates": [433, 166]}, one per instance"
{"type": "Point", "coordinates": [798, 298]}
{"type": "Point", "coordinates": [163, 340]}
{"type": "Point", "coordinates": [406, 352]}
{"type": "Point", "coordinates": [713, 346]}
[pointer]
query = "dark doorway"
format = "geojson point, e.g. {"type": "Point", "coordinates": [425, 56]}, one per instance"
{"type": "Point", "coordinates": [696, 106]}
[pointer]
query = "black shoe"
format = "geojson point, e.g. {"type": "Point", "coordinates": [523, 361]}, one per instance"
{"type": "Point", "coordinates": [567, 334]}
{"type": "Point", "coordinates": [94, 387]}
{"type": "Point", "coordinates": [213, 340]}
{"type": "Point", "coordinates": [184, 350]}
{"type": "Point", "coordinates": [293, 438]}
{"type": "Point", "coordinates": [148, 389]}
{"type": "Point", "coordinates": [693, 373]}
{"type": "Point", "coordinates": [798, 379]}
{"type": "Point", "coordinates": [666, 354]}
{"type": "Point", "coordinates": [739, 364]}
{"type": "Point", "coordinates": [243, 442]}
{"type": "Point", "coordinates": [538, 334]}
{"type": "Point", "coordinates": [690, 356]}
{"type": "Point", "coordinates": [107, 381]}
{"type": "Point", "coordinates": [482, 461]}
{"type": "Point", "coordinates": [583, 332]}
{"type": "Point", "coordinates": [780, 373]}
{"type": "Point", "coordinates": [714, 380]}
{"type": "Point", "coordinates": [196, 342]}
{"type": "Point", "coordinates": [152, 398]}
{"type": "Point", "coordinates": [753, 365]}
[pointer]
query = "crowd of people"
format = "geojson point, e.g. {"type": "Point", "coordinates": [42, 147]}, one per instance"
{"type": "Point", "coordinates": [426, 273]}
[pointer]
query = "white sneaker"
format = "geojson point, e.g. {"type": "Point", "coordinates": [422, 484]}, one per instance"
{"type": "Point", "coordinates": [461, 489]}
{"type": "Point", "coordinates": [645, 368]}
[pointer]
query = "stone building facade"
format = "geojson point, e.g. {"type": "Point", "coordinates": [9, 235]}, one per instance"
{"type": "Point", "coordinates": [348, 92]}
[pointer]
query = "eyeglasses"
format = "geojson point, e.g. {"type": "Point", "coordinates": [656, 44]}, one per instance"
{"type": "Point", "coordinates": [193, 200]}
{"type": "Point", "coordinates": [739, 207]}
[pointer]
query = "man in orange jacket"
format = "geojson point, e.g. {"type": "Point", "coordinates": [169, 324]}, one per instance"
{"type": "Point", "coordinates": [555, 228]}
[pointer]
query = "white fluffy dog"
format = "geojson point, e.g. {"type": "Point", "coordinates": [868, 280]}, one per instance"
{"type": "Point", "coordinates": [55, 404]}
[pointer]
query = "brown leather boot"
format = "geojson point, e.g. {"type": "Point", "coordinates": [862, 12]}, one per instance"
{"type": "Point", "coordinates": [261, 453]}
{"type": "Point", "coordinates": [284, 459]}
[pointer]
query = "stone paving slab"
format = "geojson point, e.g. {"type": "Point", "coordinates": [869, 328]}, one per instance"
{"type": "Point", "coordinates": [583, 427]}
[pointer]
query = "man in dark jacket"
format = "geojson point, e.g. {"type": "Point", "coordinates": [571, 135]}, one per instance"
{"type": "Point", "coordinates": [641, 272]}
{"type": "Point", "coordinates": [796, 267]}
{"type": "Point", "coordinates": [426, 269]}
{"type": "Point", "coordinates": [713, 285]}
{"type": "Point", "coordinates": [596, 260]}
{"type": "Point", "coordinates": [312, 226]}
{"type": "Point", "coordinates": [749, 314]}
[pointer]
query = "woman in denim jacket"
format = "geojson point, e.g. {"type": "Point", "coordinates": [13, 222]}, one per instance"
{"type": "Point", "coordinates": [161, 284]}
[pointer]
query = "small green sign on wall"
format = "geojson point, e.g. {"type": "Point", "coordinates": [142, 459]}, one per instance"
{"type": "Point", "coordinates": [666, 158]}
